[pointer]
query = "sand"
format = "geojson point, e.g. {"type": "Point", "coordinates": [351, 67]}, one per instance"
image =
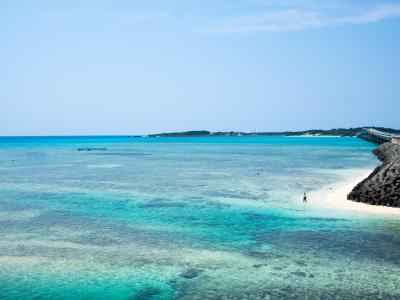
{"type": "Point", "coordinates": [337, 197]}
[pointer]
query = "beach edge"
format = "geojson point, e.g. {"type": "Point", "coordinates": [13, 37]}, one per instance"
{"type": "Point", "coordinates": [337, 197]}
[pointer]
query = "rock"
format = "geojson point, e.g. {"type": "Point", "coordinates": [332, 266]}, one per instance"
{"type": "Point", "coordinates": [190, 273]}
{"type": "Point", "coordinates": [382, 185]}
{"type": "Point", "coordinates": [91, 149]}
{"type": "Point", "coordinates": [147, 293]}
{"type": "Point", "coordinates": [299, 273]}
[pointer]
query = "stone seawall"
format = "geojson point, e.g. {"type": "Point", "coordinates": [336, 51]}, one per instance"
{"type": "Point", "coordinates": [382, 187]}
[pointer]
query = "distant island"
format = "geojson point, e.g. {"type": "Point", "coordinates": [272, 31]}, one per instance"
{"type": "Point", "coordinates": [312, 132]}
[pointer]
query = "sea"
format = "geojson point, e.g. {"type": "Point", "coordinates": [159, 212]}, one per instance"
{"type": "Point", "coordinates": [119, 217]}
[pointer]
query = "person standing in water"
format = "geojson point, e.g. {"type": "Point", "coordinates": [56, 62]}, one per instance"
{"type": "Point", "coordinates": [305, 198]}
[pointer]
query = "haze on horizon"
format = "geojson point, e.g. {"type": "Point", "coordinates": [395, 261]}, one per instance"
{"type": "Point", "coordinates": [138, 67]}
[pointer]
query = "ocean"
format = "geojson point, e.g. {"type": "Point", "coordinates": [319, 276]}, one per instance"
{"type": "Point", "coordinates": [189, 218]}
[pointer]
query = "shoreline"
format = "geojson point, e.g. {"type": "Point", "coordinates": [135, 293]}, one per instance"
{"type": "Point", "coordinates": [337, 197]}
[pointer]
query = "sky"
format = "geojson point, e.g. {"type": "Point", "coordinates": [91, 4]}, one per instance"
{"type": "Point", "coordinates": [95, 67]}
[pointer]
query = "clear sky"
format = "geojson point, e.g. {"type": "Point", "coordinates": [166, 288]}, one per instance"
{"type": "Point", "coordinates": [72, 67]}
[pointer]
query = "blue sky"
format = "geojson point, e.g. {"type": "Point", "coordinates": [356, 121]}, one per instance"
{"type": "Point", "coordinates": [125, 67]}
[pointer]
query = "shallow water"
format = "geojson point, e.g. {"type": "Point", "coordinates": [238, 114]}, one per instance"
{"type": "Point", "coordinates": [188, 218]}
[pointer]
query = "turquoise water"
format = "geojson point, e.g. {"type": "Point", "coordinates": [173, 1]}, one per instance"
{"type": "Point", "coordinates": [188, 218]}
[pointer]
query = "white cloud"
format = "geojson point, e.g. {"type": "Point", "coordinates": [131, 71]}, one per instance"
{"type": "Point", "coordinates": [374, 15]}
{"type": "Point", "coordinates": [297, 20]}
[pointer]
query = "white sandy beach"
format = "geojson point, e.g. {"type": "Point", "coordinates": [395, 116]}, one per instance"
{"type": "Point", "coordinates": [337, 197]}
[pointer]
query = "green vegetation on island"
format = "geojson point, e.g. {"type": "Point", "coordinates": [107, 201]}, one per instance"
{"type": "Point", "coordinates": [312, 132]}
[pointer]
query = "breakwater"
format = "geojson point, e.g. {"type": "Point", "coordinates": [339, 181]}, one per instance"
{"type": "Point", "coordinates": [382, 187]}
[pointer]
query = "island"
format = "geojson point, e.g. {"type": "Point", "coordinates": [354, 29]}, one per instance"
{"type": "Point", "coordinates": [312, 132]}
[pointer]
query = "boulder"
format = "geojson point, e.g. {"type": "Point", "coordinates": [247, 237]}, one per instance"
{"type": "Point", "coordinates": [382, 187]}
